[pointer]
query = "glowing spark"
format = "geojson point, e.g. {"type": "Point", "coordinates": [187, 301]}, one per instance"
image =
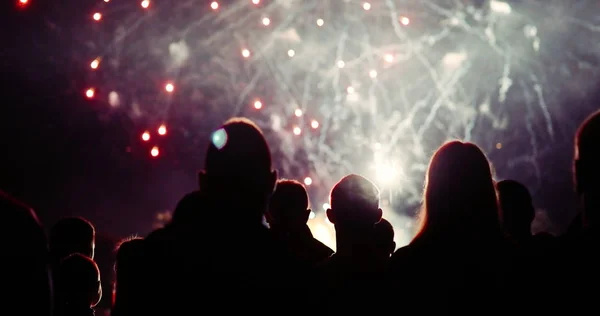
{"type": "Point", "coordinates": [298, 112]}
{"type": "Point", "coordinates": [297, 131]}
{"type": "Point", "coordinates": [90, 93]}
{"type": "Point", "coordinates": [97, 16]}
{"type": "Point", "coordinates": [367, 6]}
{"type": "Point", "coordinates": [266, 21]}
{"type": "Point", "coordinates": [146, 136]}
{"type": "Point", "coordinates": [162, 130]}
{"type": "Point", "coordinates": [258, 105]}
{"type": "Point", "coordinates": [169, 87]}
{"type": "Point", "coordinates": [95, 63]}
{"type": "Point", "coordinates": [214, 5]}
{"type": "Point", "coordinates": [245, 53]}
{"type": "Point", "coordinates": [320, 22]}
{"type": "Point", "coordinates": [314, 124]}
{"type": "Point", "coordinates": [308, 181]}
{"type": "Point", "coordinates": [291, 53]}
{"type": "Point", "coordinates": [154, 151]}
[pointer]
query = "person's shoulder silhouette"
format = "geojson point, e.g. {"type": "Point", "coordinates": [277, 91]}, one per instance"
{"type": "Point", "coordinates": [24, 260]}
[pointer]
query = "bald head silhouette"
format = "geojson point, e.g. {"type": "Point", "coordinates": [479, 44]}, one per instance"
{"type": "Point", "coordinates": [354, 201]}
{"type": "Point", "coordinates": [238, 174]}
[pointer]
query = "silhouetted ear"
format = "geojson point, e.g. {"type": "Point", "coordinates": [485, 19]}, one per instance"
{"type": "Point", "coordinates": [379, 215]}
{"type": "Point", "coordinates": [330, 215]}
{"type": "Point", "coordinates": [201, 179]}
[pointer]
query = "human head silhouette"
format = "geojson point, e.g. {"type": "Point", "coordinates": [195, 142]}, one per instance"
{"type": "Point", "coordinates": [129, 255]}
{"type": "Point", "coordinates": [238, 174]}
{"type": "Point", "coordinates": [587, 165]}
{"type": "Point", "coordinates": [79, 281]}
{"type": "Point", "coordinates": [129, 276]}
{"type": "Point", "coordinates": [460, 195]}
{"type": "Point", "coordinates": [384, 238]}
{"type": "Point", "coordinates": [288, 207]}
{"type": "Point", "coordinates": [354, 203]}
{"type": "Point", "coordinates": [517, 209]}
{"type": "Point", "coordinates": [72, 235]}
{"type": "Point", "coordinates": [190, 209]}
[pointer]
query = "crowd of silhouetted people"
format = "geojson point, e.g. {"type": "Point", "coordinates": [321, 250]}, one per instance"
{"type": "Point", "coordinates": [241, 244]}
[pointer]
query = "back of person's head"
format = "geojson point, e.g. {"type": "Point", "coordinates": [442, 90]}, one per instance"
{"type": "Point", "coordinates": [288, 206]}
{"type": "Point", "coordinates": [384, 238]}
{"type": "Point", "coordinates": [190, 209]}
{"type": "Point", "coordinates": [354, 202]}
{"type": "Point", "coordinates": [516, 206]}
{"type": "Point", "coordinates": [459, 192]}
{"type": "Point", "coordinates": [238, 170]}
{"type": "Point", "coordinates": [79, 281]}
{"type": "Point", "coordinates": [128, 266]}
{"type": "Point", "coordinates": [72, 235]}
{"type": "Point", "coordinates": [587, 155]}
{"type": "Point", "coordinates": [129, 257]}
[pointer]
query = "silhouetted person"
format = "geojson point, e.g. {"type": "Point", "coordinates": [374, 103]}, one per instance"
{"type": "Point", "coordinates": [384, 239]}
{"type": "Point", "coordinates": [287, 217]}
{"type": "Point", "coordinates": [533, 262]}
{"type": "Point", "coordinates": [68, 236]}
{"type": "Point", "coordinates": [587, 170]}
{"type": "Point", "coordinates": [459, 249]}
{"type": "Point", "coordinates": [352, 275]}
{"type": "Point", "coordinates": [128, 295]}
{"type": "Point", "coordinates": [78, 282]}
{"type": "Point", "coordinates": [72, 235]}
{"type": "Point", "coordinates": [579, 259]}
{"type": "Point", "coordinates": [517, 210]}
{"type": "Point", "coordinates": [228, 265]}
{"type": "Point", "coordinates": [23, 261]}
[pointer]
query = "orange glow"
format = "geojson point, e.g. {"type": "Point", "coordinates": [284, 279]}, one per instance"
{"type": "Point", "coordinates": [97, 16]}
{"type": "Point", "coordinates": [146, 136]}
{"type": "Point", "coordinates": [154, 152]}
